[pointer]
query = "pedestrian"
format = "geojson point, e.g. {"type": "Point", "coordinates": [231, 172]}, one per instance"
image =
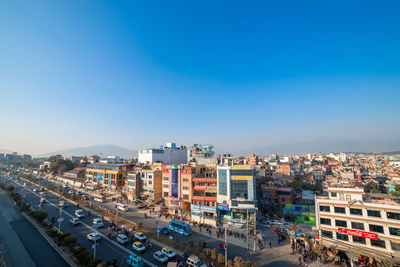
{"type": "Point", "coordinates": [300, 260]}
{"type": "Point", "coordinates": [270, 245]}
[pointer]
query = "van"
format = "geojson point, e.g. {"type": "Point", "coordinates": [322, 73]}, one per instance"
{"type": "Point", "coordinates": [122, 206]}
{"type": "Point", "coordinates": [195, 261]}
{"type": "Point", "coordinates": [122, 239]}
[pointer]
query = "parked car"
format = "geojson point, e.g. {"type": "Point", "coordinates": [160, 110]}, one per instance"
{"type": "Point", "coordinates": [160, 257]}
{"type": "Point", "coordinates": [79, 213]}
{"type": "Point", "coordinates": [61, 203]}
{"type": "Point", "coordinates": [122, 239]}
{"type": "Point", "coordinates": [74, 221]}
{"type": "Point", "coordinates": [168, 252]}
{"type": "Point", "coordinates": [42, 200]}
{"type": "Point", "coordinates": [71, 192]}
{"type": "Point", "coordinates": [35, 189]}
{"type": "Point", "coordinates": [164, 230]}
{"type": "Point", "coordinates": [138, 246]}
{"type": "Point", "coordinates": [97, 223]}
{"type": "Point", "coordinates": [93, 236]}
{"type": "Point", "coordinates": [135, 260]}
{"type": "Point", "coordinates": [140, 236]}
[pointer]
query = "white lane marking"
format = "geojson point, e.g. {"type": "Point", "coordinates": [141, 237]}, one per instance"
{"type": "Point", "coordinates": [102, 235]}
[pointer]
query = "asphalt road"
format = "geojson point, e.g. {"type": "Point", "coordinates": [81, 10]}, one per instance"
{"type": "Point", "coordinates": [22, 244]}
{"type": "Point", "coordinates": [108, 248]}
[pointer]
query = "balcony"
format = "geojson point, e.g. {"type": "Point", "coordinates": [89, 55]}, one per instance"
{"type": "Point", "coordinates": [205, 180]}
{"type": "Point", "coordinates": [204, 198]}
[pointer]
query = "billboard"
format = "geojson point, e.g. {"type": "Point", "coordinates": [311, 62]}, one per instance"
{"type": "Point", "coordinates": [242, 177]}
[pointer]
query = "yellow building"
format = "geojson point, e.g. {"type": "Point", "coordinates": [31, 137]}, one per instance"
{"type": "Point", "coordinates": [108, 175]}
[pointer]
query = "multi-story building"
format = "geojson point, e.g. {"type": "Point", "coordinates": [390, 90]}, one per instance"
{"type": "Point", "coordinates": [177, 187]}
{"type": "Point", "coordinates": [198, 151]}
{"type": "Point", "coordinates": [151, 177]}
{"type": "Point", "coordinates": [169, 154]}
{"type": "Point", "coordinates": [204, 199]}
{"type": "Point", "coordinates": [133, 185]}
{"type": "Point", "coordinates": [237, 201]}
{"type": "Point", "coordinates": [359, 223]}
{"type": "Point", "coordinates": [111, 176]}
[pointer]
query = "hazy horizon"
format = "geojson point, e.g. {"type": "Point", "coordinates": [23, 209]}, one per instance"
{"type": "Point", "coordinates": [242, 77]}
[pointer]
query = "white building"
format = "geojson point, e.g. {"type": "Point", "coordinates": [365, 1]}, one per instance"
{"type": "Point", "coordinates": [355, 222]}
{"type": "Point", "coordinates": [236, 197]}
{"type": "Point", "coordinates": [168, 153]}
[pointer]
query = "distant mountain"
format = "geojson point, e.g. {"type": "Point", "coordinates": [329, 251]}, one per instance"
{"type": "Point", "coordinates": [327, 146]}
{"type": "Point", "coordinates": [104, 150]}
{"type": "Point", "coordinates": [6, 151]}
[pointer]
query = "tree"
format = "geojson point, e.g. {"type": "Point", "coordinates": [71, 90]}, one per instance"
{"type": "Point", "coordinates": [375, 188]}
{"type": "Point", "coordinates": [61, 170]}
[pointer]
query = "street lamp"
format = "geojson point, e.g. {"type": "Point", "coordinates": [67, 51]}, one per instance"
{"type": "Point", "coordinates": [60, 219]}
{"type": "Point", "coordinates": [226, 244]}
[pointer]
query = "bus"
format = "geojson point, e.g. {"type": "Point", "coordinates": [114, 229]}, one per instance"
{"type": "Point", "coordinates": [99, 198]}
{"type": "Point", "coordinates": [180, 227]}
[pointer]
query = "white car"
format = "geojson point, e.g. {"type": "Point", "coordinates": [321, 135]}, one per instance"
{"type": "Point", "coordinates": [42, 200]}
{"type": "Point", "coordinates": [74, 221]}
{"type": "Point", "coordinates": [61, 203]}
{"type": "Point", "coordinates": [160, 257]}
{"type": "Point", "coordinates": [168, 252]}
{"type": "Point", "coordinates": [122, 239]}
{"type": "Point", "coordinates": [97, 223]}
{"type": "Point", "coordinates": [140, 236]}
{"type": "Point", "coordinates": [35, 189]}
{"type": "Point", "coordinates": [93, 236]}
{"type": "Point", "coordinates": [139, 247]}
{"type": "Point", "coordinates": [79, 213]}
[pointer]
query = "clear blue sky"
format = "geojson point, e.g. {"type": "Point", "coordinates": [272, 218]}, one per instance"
{"type": "Point", "coordinates": [238, 74]}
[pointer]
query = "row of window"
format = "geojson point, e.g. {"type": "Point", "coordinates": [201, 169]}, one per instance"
{"type": "Point", "coordinates": [370, 213]}
{"type": "Point", "coordinates": [360, 226]}
{"type": "Point", "coordinates": [361, 240]}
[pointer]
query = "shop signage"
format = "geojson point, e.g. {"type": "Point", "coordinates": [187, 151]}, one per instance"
{"type": "Point", "coordinates": [241, 167]}
{"type": "Point", "coordinates": [358, 233]}
{"type": "Point", "coordinates": [203, 208]}
{"type": "Point", "coordinates": [242, 177]}
{"type": "Point", "coordinates": [223, 207]}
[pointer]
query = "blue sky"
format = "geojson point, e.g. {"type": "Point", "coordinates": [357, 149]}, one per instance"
{"type": "Point", "coordinates": [241, 75]}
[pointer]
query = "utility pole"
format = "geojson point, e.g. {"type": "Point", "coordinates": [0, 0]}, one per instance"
{"type": "Point", "coordinates": [94, 249]}
{"type": "Point", "coordinates": [247, 223]}
{"type": "Point", "coordinates": [226, 246]}
{"type": "Point", "coordinates": [59, 220]}
{"type": "Point", "coordinates": [116, 213]}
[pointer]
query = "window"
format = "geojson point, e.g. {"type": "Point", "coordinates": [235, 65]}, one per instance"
{"type": "Point", "coordinates": [394, 231]}
{"type": "Point", "coordinates": [341, 223]}
{"type": "Point", "coordinates": [357, 239]}
{"type": "Point", "coordinates": [356, 211]}
{"type": "Point", "coordinates": [378, 243]}
{"type": "Point", "coordinates": [348, 197]}
{"type": "Point", "coordinates": [166, 179]}
{"type": "Point", "coordinates": [374, 213]}
{"type": "Point", "coordinates": [356, 225]}
{"type": "Point", "coordinates": [186, 188]}
{"type": "Point", "coordinates": [340, 210]}
{"type": "Point", "coordinates": [222, 184]}
{"type": "Point", "coordinates": [185, 197]}
{"type": "Point", "coordinates": [324, 208]}
{"type": "Point", "coordinates": [333, 194]}
{"type": "Point", "coordinates": [165, 186]}
{"type": "Point", "coordinates": [393, 215]}
{"type": "Point", "coordinates": [239, 189]}
{"type": "Point", "coordinates": [325, 221]}
{"type": "Point", "coordinates": [376, 228]}
{"type": "Point", "coordinates": [342, 237]}
{"type": "Point", "coordinates": [395, 246]}
{"type": "Point", "coordinates": [165, 194]}
{"type": "Point", "coordinates": [327, 234]}
{"type": "Point", "coordinates": [185, 180]}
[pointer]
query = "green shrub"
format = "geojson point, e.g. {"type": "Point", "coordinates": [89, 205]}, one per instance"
{"type": "Point", "coordinates": [40, 215]}
{"type": "Point", "coordinates": [94, 262]}
{"type": "Point", "coordinates": [70, 240]}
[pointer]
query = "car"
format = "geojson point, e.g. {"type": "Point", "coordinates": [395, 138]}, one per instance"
{"type": "Point", "coordinates": [74, 221]}
{"type": "Point", "coordinates": [71, 192]}
{"type": "Point", "coordinates": [195, 261]}
{"type": "Point", "coordinates": [93, 236]}
{"type": "Point", "coordinates": [140, 236]}
{"type": "Point", "coordinates": [168, 252]}
{"type": "Point", "coordinates": [164, 230]}
{"type": "Point", "coordinates": [138, 246]}
{"type": "Point", "coordinates": [35, 189]}
{"type": "Point", "coordinates": [84, 197]}
{"type": "Point", "coordinates": [160, 257]}
{"type": "Point", "coordinates": [142, 205]}
{"type": "Point", "coordinates": [79, 213]}
{"type": "Point", "coordinates": [135, 261]}
{"type": "Point", "coordinates": [24, 184]}
{"type": "Point", "coordinates": [97, 223]}
{"type": "Point", "coordinates": [42, 200]}
{"type": "Point", "coordinates": [122, 239]}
